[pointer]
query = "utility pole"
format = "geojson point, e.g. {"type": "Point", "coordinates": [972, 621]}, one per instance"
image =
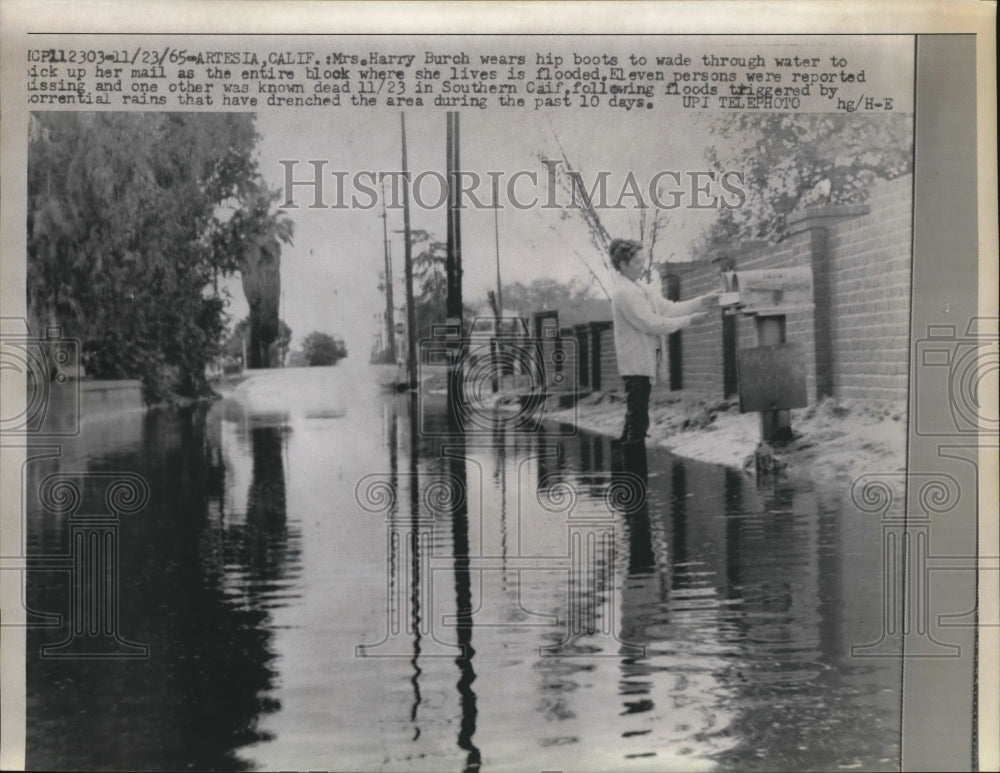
{"type": "Point", "coordinates": [389, 311]}
{"type": "Point", "coordinates": [283, 348]}
{"type": "Point", "coordinates": [453, 269]}
{"type": "Point", "coordinates": [498, 325]}
{"type": "Point", "coordinates": [411, 316]}
{"type": "Point", "coordinates": [496, 234]}
{"type": "Point", "coordinates": [453, 265]}
{"type": "Point", "coordinates": [464, 604]}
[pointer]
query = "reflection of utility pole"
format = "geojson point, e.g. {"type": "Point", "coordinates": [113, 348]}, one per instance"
{"type": "Point", "coordinates": [411, 316]}
{"type": "Point", "coordinates": [390, 322]}
{"type": "Point", "coordinates": [464, 607]}
{"type": "Point", "coordinates": [409, 631]}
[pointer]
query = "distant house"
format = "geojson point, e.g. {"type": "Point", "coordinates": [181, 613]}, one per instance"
{"type": "Point", "coordinates": [584, 311]}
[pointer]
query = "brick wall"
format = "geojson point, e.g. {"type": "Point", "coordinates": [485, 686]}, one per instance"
{"type": "Point", "coordinates": [545, 328]}
{"type": "Point", "coordinates": [856, 340]}
{"type": "Point", "coordinates": [799, 325]}
{"type": "Point", "coordinates": [583, 345]}
{"type": "Point", "coordinates": [870, 297]}
{"type": "Point", "coordinates": [569, 356]}
{"type": "Point", "coordinates": [611, 380]}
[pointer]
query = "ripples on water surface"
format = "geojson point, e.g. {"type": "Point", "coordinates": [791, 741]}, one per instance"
{"type": "Point", "coordinates": [293, 625]}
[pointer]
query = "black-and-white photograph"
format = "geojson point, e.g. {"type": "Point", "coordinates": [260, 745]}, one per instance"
{"type": "Point", "coordinates": [494, 402]}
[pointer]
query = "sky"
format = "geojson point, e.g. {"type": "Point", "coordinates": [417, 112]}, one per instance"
{"type": "Point", "coordinates": [330, 274]}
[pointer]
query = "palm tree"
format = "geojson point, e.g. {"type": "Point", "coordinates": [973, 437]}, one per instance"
{"type": "Point", "coordinates": [255, 233]}
{"type": "Point", "coordinates": [429, 271]}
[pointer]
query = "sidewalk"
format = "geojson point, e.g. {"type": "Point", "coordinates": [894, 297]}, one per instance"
{"type": "Point", "coordinates": [837, 440]}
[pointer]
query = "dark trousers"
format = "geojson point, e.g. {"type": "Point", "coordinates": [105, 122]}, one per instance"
{"type": "Point", "coordinates": [636, 409]}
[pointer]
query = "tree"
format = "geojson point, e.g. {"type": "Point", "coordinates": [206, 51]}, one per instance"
{"type": "Point", "coordinates": [542, 294]}
{"type": "Point", "coordinates": [322, 349]}
{"type": "Point", "coordinates": [121, 216]}
{"type": "Point", "coordinates": [645, 222]}
{"type": "Point", "coordinates": [570, 179]}
{"type": "Point", "coordinates": [429, 274]}
{"type": "Point", "coordinates": [255, 233]}
{"type": "Point", "coordinates": [240, 339]}
{"type": "Point", "coordinates": [794, 160]}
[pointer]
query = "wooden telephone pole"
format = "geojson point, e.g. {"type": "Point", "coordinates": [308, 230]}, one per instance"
{"type": "Point", "coordinates": [390, 313]}
{"type": "Point", "coordinates": [453, 266]}
{"type": "Point", "coordinates": [453, 270]}
{"type": "Point", "coordinates": [411, 316]}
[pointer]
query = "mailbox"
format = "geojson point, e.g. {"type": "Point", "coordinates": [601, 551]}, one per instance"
{"type": "Point", "coordinates": [729, 285]}
{"type": "Point", "coordinates": [767, 291]}
{"type": "Point", "coordinates": [772, 378]}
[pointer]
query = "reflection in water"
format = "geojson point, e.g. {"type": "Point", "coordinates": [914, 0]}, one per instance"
{"type": "Point", "coordinates": [712, 628]}
{"type": "Point", "coordinates": [678, 523]}
{"type": "Point", "coordinates": [266, 518]}
{"type": "Point", "coordinates": [416, 622]}
{"type": "Point", "coordinates": [198, 590]}
{"type": "Point", "coordinates": [635, 686]}
{"type": "Point", "coordinates": [463, 607]}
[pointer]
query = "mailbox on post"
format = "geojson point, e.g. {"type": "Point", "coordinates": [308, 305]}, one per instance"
{"type": "Point", "coordinates": [769, 291]}
{"type": "Point", "coordinates": [772, 377]}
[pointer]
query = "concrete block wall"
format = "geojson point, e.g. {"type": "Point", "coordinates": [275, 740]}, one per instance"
{"type": "Point", "coordinates": [611, 380]}
{"type": "Point", "coordinates": [110, 396]}
{"type": "Point", "coordinates": [870, 267]}
{"type": "Point", "coordinates": [570, 360]}
{"type": "Point", "coordinates": [582, 336]}
{"type": "Point", "coordinates": [701, 344]}
{"type": "Point", "coordinates": [799, 325]}
{"type": "Point", "coordinates": [545, 328]}
{"type": "Point", "coordinates": [856, 341]}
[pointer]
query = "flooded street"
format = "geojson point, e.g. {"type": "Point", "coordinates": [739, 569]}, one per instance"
{"type": "Point", "coordinates": [319, 587]}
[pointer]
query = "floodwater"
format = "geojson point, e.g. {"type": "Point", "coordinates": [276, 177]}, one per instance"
{"type": "Point", "coordinates": [312, 585]}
